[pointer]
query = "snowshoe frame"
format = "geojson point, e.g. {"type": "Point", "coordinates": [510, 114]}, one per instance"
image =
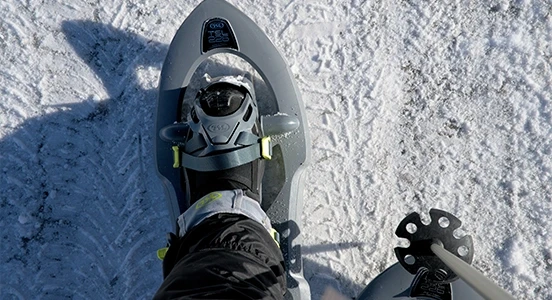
{"type": "Point", "coordinates": [242, 37]}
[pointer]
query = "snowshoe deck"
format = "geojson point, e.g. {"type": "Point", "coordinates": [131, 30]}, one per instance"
{"type": "Point", "coordinates": [217, 27]}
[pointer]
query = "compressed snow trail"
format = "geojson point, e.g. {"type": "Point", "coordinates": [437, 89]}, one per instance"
{"type": "Point", "coordinates": [411, 105]}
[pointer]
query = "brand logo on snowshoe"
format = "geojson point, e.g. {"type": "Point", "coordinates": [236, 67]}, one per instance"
{"type": "Point", "coordinates": [216, 25]}
{"type": "Point", "coordinates": [217, 127]}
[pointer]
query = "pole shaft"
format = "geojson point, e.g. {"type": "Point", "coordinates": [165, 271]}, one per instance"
{"type": "Point", "coordinates": [471, 276]}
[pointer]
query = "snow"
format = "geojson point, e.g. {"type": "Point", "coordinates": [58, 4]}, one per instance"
{"type": "Point", "coordinates": [236, 80]}
{"type": "Point", "coordinates": [411, 105]}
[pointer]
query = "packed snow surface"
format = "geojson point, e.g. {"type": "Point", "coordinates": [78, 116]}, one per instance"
{"type": "Point", "coordinates": [411, 105]}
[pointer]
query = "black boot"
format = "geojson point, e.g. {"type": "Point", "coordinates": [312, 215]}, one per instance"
{"type": "Point", "coordinates": [226, 102]}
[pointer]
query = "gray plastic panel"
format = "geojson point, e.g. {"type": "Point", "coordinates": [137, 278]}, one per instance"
{"type": "Point", "coordinates": [394, 283]}
{"type": "Point", "coordinates": [183, 57]}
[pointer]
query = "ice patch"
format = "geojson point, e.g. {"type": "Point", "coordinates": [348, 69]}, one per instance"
{"type": "Point", "coordinates": [23, 219]}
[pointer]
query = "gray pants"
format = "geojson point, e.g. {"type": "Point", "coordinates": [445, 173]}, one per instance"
{"type": "Point", "coordinates": [232, 202]}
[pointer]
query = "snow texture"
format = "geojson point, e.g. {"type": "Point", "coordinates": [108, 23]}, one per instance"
{"type": "Point", "coordinates": [411, 104]}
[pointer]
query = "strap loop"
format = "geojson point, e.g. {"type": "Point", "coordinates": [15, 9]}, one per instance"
{"type": "Point", "coordinates": [266, 148]}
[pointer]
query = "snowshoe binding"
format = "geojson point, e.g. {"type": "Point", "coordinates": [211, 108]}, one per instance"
{"type": "Point", "coordinates": [227, 135]}
{"type": "Point", "coordinates": [221, 145]}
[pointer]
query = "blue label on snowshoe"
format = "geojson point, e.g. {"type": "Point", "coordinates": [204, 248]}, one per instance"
{"type": "Point", "coordinates": [217, 33]}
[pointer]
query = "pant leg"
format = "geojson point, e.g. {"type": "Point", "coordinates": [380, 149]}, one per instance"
{"type": "Point", "coordinates": [226, 256]}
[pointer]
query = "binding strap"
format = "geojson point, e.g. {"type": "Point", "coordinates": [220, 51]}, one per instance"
{"type": "Point", "coordinates": [227, 160]}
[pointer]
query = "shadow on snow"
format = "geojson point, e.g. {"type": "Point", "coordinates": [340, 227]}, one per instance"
{"type": "Point", "coordinates": [81, 206]}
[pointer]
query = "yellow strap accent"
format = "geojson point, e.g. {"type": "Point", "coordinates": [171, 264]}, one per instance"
{"type": "Point", "coordinates": [176, 157]}
{"type": "Point", "coordinates": [162, 252]}
{"type": "Point", "coordinates": [266, 150]}
{"type": "Point", "coordinates": [276, 236]}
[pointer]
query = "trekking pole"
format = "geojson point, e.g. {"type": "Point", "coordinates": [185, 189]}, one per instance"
{"type": "Point", "coordinates": [440, 257]}
{"type": "Point", "coordinates": [470, 275]}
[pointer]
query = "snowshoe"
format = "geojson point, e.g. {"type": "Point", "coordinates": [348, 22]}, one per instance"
{"type": "Point", "coordinates": [225, 130]}
{"type": "Point", "coordinates": [221, 146]}
{"type": "Point", "coordinates": [436, 264]}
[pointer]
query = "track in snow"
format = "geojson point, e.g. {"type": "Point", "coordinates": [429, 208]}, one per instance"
{"type": "Point", "coordinates": [411, 105]}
